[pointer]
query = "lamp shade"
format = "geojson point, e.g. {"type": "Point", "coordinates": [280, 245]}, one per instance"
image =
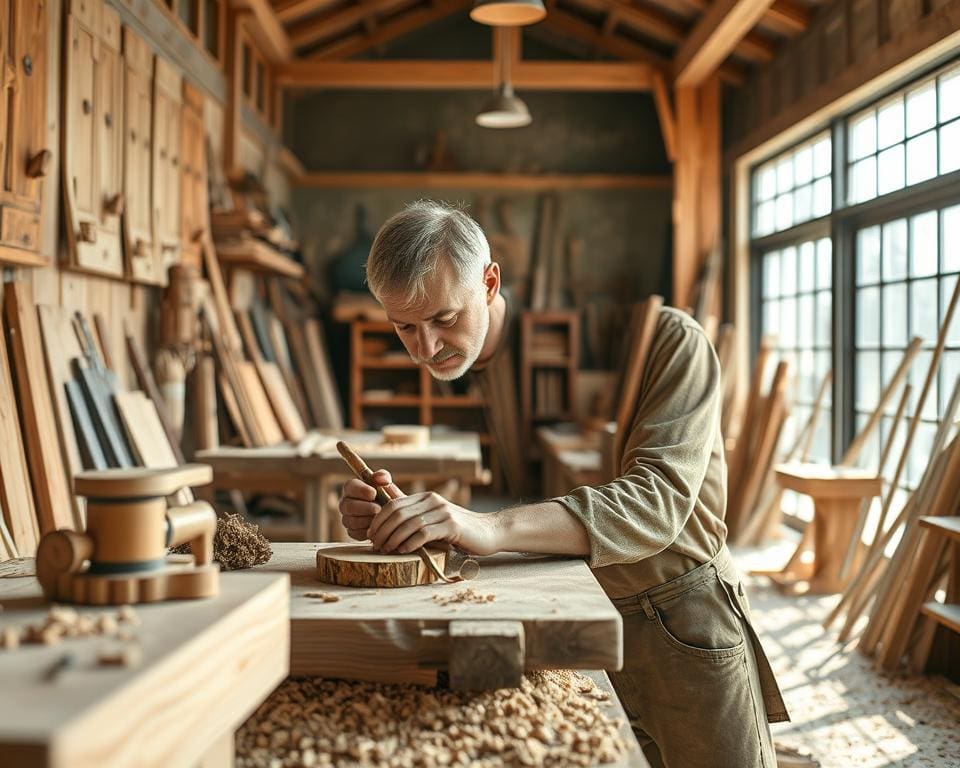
{"type": "Point", "coordinates": [508, 13]}
{"type": "Point", "coordinates": [504, 110]}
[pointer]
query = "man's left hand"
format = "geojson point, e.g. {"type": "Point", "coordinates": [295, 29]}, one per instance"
{"type": "Point", "coordinates": [406, 524]}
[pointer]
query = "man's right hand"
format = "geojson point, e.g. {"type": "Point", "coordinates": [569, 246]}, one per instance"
{"type": "Point", "coordinates": [358, 503]}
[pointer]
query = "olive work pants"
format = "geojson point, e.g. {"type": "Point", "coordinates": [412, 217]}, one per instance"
{"type": "Point", "coordinates": [696, 684]}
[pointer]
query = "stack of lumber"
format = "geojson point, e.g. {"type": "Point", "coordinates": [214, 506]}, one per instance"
{"type": "Point", "coordinates": [895, 590]}
{"type": "Point", "coordinates": [750, 457]}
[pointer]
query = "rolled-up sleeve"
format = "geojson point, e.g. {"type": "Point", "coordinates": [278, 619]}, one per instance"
{"type": "Point", "coordinates": [666, 454]}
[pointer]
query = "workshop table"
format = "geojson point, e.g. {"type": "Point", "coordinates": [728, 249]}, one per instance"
{"type": "Point", "coordinates": [448, 455]}
{"type": "Point", "coordinates": [206, 665]}
{"type": "Point", "coordinates": [390, 635]}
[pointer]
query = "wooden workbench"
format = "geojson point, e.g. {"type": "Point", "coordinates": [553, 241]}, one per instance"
{"type": "Point", "coordinates": [207, 664]}
{"type": "Point", "coordinates": [449, 455]}
{"type": "Point", "coordinates": [385, 634]}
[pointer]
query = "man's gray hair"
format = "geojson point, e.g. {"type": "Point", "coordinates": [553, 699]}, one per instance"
{"type": "Point", "coordinates": [414, 242]}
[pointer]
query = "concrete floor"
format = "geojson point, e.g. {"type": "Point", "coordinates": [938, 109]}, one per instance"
{"type": "Point", "coordinates": [843, 712]}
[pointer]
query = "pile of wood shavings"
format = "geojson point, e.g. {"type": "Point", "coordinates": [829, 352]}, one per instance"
{"type": "Point", "coordinates": [468, 595]}
{"type": "Point", "coordinates": [236, 544]}
{"type": "Point", "coordinates": [327, 597]}
{"type": "Point", "coordinates": [62, 622]}
{"type": "Point", "coordinates": [552, 719]}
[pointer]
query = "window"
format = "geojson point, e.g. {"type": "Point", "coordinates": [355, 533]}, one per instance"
{"type": "Point", "coordinates": [797, 310]}
{"type": "Point", "coordinates": [906, 139]}
{"type": "Point", "coordinates": [905, 273]}
{"type": "Point", "coordinates": [793, 188]}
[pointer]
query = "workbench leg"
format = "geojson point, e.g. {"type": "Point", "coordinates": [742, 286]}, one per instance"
{"type": "Point", "coordinates": [220, 754]}
{"type": "Point", "coordinates": [834, 525]}
{"type": "Point", "coordinates": [313, 509]}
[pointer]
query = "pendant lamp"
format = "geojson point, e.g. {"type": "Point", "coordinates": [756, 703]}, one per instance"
{"type": "Point", "coordinates": [508, 13]}
{"type": "Point", "coordinates": [504, 109]}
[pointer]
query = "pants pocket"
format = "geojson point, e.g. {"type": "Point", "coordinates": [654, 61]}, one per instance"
{"type": "Point", "coordinates": [701, 623]}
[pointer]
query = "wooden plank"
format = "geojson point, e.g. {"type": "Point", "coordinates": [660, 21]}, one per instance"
{"type": "Point", "coordinates": [264, 26]}
{"type": "Point", "coordinates": [546, 182]}
{"type": "Point", "coordinates": [51, 486]}
{"type": "Point", "coordinates": [98, 394]}
{"type": "Point", "coordinates": [281, 349]}
{"type": "Point", "coordinates": [218, 658]}
{"type": "Point", "coordinates": [944, 526]}
{"type": "Point", "coordinates": [317, 352]}
{"type": "Point", "coordinates": [716, 34]}
{"type": "Point", "coordinates": [16, 495]}
{"type": "Point", "coordinates": [946, 614]}
{"type": "Point", "coordinates": [296, 336]}
{"type": "Point", "coordinates": [260, 404]}
{"type": "Point", "coordinates": [291, 10]}
{"type": "Point", "coordinates": [193, 175]}
{"type": "Point", "coordinates": [473, 75]}
{"type": "Point", "coordinates": [668, 126]}
{"type": "Point", "coordinates": [165, 162]}
{"type": "Point", "coordinates": [205, 397]}
{"type": "Point", "coordinates": [568, 621]}
{"type": "Point", "coordinates": [87, 438]}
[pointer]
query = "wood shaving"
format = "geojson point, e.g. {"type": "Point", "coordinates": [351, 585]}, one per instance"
{"type": "Point", "coordinates": [468, 595]}
{"type": "Point", "coordinates": [123, 655]}
{"type": "Point", "coordinates": [327, 597]}
{"type": "Point", "coordinates": [237, 544]}
{"type": "Point", "coordinates": [63, 622]}
{"type": "Point", "coordinates": [553, 719]}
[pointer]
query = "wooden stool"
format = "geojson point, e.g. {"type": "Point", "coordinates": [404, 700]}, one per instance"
{"type": "Point", "coordinates": [838, 493]}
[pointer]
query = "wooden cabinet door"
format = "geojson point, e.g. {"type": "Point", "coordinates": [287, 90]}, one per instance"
{"type": "Point", "coordinates": [143, 262]}
{"type": "Point", "coordinates": [167, 85]}
{"type": "Point", "coordinates": [193, 176]}
{"type": "Point", "coordinates": [90, 164]}
{"type": "Point", "coordinates": [24, 156]}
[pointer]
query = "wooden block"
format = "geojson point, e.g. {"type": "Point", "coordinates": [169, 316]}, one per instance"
{"type": "Point", "coordinates": [16, 495]}
{"type": "Point", "coordinates": [88, 439]}
{"type": "Point", "coordinates": [359, 566]}
{"type": "Point", "coordinates": [486, 655]}
{"type": "Point", "coordinates": [260, 405]}
{"type": "Point", "coordinates": [51, 487]}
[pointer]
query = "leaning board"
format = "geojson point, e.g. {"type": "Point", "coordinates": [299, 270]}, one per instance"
{"type": "Point", "coordinates": [370, 634]}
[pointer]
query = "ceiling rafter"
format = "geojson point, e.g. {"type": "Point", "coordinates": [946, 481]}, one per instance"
{"type": "Point", "coordinates": [292, 10]}
{"type": "Point", "coordinates": [328, 25]}
{"type": "Point", "coordinates": [409, 21]}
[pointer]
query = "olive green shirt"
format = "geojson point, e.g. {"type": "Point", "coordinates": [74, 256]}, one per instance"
{"type": "Point", "coordinates": [664, 514]}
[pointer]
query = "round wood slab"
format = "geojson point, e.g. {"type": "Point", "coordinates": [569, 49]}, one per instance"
{"type": "Point", "coordinates": [357, 565]}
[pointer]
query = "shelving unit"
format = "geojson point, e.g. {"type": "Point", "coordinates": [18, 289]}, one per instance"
{"type": "Point", "coordinates": [549, 358]}
{"type": "Point", "coordinates": [386, 386]}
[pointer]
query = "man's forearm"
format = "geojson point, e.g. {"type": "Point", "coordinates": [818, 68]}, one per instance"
{"type": "Point", "coordinates": [546, 528]}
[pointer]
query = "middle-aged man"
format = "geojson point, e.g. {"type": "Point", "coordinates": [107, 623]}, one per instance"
{"type": "Point", "coordinates": [696, 684]}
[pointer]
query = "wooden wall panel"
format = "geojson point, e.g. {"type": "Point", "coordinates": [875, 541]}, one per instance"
{"type": "Point", "coordinates": [193, 177]}
{"type": "Point", "coordinates": [138, 230]}
{"type": "Point", "coordinates": [167, 87]}
{"type": "Point", "coordinates": [24, 156]}
{"type": "Point", "coordinates": [92, 151]}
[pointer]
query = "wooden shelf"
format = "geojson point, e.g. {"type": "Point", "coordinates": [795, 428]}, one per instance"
{"type": "Point", "coordinates": [256, 255]}
{"type": "Point", "coordinates": [947, 614]}
{"type": "Point", "coordinates": [523, 182]}
{"type": "Point", "coordinates": [945, 526]}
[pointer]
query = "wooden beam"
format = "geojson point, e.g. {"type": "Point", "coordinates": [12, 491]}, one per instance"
{"type": "Point", "coordinates": [493, 181]}
{"type": "Point", "coordinates": [668, 126]}
{"type": "Point", "coordinates": [291, 10]}
{"type": "Point", "coordinates": [267, 30]}
{"type": "Point", "coordinates": [401, 25]}
{"type": "Point", "coordinates": [328, 25]}
{"type": "Point", "coordinates": [784, 16]}
{"type": "Point", "coordinates": [468, 75]}
{"type": "Point", "coordinates": [714, 37]}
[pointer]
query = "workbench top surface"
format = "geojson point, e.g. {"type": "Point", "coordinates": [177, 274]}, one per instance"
{"type": "Point", "coordinates": [206, 664]}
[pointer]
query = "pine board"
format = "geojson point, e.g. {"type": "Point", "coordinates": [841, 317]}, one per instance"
{"type": "Point", "coordinates": [51, 487]}
{"type": "Point", "coordinates": [262, 412]}
{"type": "Point", "coordinates": [88, 439]}
{"type": "Point", "coordinates": [283, 406]}
{"type": "Point", "coordinates": [16, 496]}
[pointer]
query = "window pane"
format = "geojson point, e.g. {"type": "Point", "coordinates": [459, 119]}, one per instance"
{"type": "Point", "coordinates": [922, 158]}
{"type": "Point", "coordinates": [946, 291]}
{"type": "Point", "coordinates": [785, 175]}
{"type": "Point", "coordinates": [889, 364]}
{"type": "Point", "coordinates": [951, 238]}
{"type": "Point", "coordinates": [788, 271]}
{"type": "Point", "coordinates": [950, 147]}
{"type": "Point", "coordinates": [920, 451]}
{"type": "Point", "coordinates": [917, 375]}
{"type": "Point", "coordinates": [863, 136]}
{"type": "Point", "coordinates": [950, 95]}
{"type": "Point", "coordinates": [765, 218]}
{"type": "Point", "coordinates": [894, 315]}
{"type": "Point", "coordinates": [785, 211]}
{"type": "Point", "coordinates": [868, 313]}
{"type": "Point", "coordinates": [867, 375]}
{"type": "Point", "coordinates": [890, 123]}
{"type": "Point", "coordinates": [825, 258]}
{"type": "Point", "coordinates": [767, 186]}
{"type": "Point", "coordinates": [863, 180]}
{"type": "Point", "coordinates": [771, 274]}
{"type": "Point", "coordinates": [895, 250]}
{"type": "Point", "coordinates": [771, 318]}
{"type": "Point", "coordinates": [824, 319]}
{"type": "Point", "coordinates": [788, 323]}
{"type": "Point", "coordinates": [868, 255]}
{"type": "Point", "coordinates": [923, 309]}
{"type": "Point", "coordinates": [803, 166]}
{"type": "Point", "coordinates": [923, 244]}
{"type": "Point", "coordinates": [921, 109]}
{"type": "Point", "coordinates": [948, 377]}
{"type": "Point", "coordinates": [822, 194]}
{"type": "Point", "coordinates": [822, 161]}
{"type": "Point", "coordinates": [805, 321]}
{"type": "Point", "coordinates": [890, 170]}
{"type": "Point", "coordinates": [807, 261]}
{"type": "Point", "coordinates": [803, 202]}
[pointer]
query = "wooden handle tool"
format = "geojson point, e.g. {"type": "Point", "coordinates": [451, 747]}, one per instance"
{"type": "Point", "coordinates": [467, 570]}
